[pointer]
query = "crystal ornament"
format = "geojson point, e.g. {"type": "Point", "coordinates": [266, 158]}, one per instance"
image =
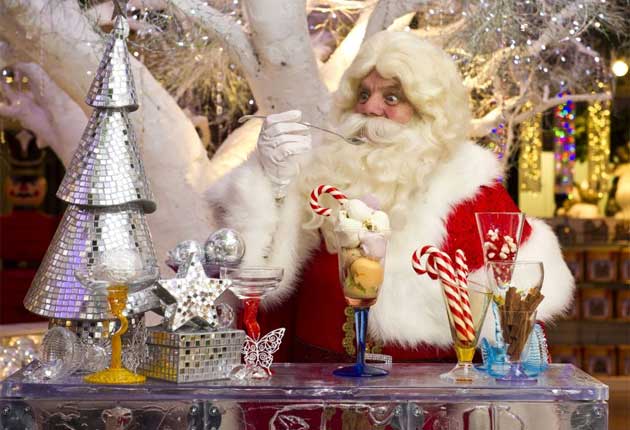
{"type": "Point", "coordinates": [178, 255]}
{"type": "Point", "coordinates": [137, 351]}
{"type": "Point", "coordinates": [225, 247]}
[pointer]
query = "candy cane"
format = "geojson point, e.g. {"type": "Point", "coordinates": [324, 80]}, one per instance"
{"type": "Point", "coordinates": [461, 268]}
{"type": "Point", "coordinates": [422, 261]}
{"type": "Point", "coordinates": [435, 262]}
{"type": "Point", "coordinates": [325, 189]}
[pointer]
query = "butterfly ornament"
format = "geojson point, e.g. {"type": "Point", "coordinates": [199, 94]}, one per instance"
{"type": "Point", "coordinates": [258, 355]}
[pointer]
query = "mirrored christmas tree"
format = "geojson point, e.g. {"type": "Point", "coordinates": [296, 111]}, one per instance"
{"type": "Point", "coordinates": [108, 196]}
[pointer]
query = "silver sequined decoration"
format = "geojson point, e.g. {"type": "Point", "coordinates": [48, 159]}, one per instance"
{"type": "Point", "coordinates": [107, 167]}
{"type": "Point", "coordinates": [192, 355]}
{"type": "Point", "coordinates": [108, 195]}
{"type": "Point", "coordinates": [224, 246]}
{"type": "Point", "coordinates": [178, 255]}
{"type": "Point", "coordinates": [82, 235]}
{"type": "Point", "coordinates": [113, 86]}
{"type": "Point", "coordinates": [191, 295]}
{"type": "Point", "coordinates": [96, 331]}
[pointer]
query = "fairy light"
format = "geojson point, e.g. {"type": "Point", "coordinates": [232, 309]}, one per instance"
{"type": "Point", "coordinates": [619, 68]}
{"type": "Point", "coordinates": [529, 165]}
{"type": "Point", "coordinates": [564, 143]}
{"type": "Point", "coordinates": [599, 147]}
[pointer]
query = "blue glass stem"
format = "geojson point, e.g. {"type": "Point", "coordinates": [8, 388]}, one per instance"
{"type": "Point", "coordinates": [360, 328]}
{"type": "Point", "coordinates": [497, 325]}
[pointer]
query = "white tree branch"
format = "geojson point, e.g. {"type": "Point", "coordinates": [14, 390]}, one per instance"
{"type": "Point", "coordinates": [102, 13]}
{"type": "Point", "coordinates": [584, 50]}
{"type": "Point", "coordinates": [225, 29]}
{"type": "Point", "coordinates": [174, 159]}
{"type": "Point", "coordinates": [483, 126]}
{"type": "Point", "coordinates": [549, 35]}
{"type": "Point", "coordinates": [387, 11]}
{"type": "Point", "coordinates": [341, 58]}
{"type": "Point", "coordinates": [441, 35]}
{"type": "Point", "coordinates": [549, 103]}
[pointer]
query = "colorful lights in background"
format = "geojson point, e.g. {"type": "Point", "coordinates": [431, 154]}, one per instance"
{"type": "Point", "coordinates": [599, 147]}
{"type": "Point", "coordinates": [531, 141]}
{"type": "Point", "coordinates": [497, 141]}
{"type": "Point", "coordinates": [564, 146]}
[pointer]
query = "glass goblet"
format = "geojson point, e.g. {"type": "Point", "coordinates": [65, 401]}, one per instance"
{"type": "Point", "coordinates": [500, 235]}
{"type": "Point", "coordinates": [465, 343]}
{"type": "Point", "coordinates": [115, 274]}
{"type": "Point", "coordinates": [516, 300]}
{"type": "Point", "coordinates": [361, 257]}
{"type": "Point", "coordinates": [251, 284]}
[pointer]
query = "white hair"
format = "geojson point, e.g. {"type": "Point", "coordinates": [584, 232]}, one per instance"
{"type": "Point", "coordinates": [395, 162]}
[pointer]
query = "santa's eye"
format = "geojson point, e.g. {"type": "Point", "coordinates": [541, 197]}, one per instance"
{"type": "Point", "coordinates": [364, 95]}
{"type": "Point", "coordinates": [392, 99]}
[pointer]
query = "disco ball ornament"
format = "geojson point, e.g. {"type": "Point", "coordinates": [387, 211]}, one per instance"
{"type": "Point", "coordinates": [224, 247]}
{"type": "Point", "coordinates": [178, 255]}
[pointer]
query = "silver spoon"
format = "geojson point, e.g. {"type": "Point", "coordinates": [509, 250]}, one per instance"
{"type": "Point", "coordinates": [351, 140]}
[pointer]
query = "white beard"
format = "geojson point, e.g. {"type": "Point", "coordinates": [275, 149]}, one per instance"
{"type": "Point", "coordinates": [391, 166]}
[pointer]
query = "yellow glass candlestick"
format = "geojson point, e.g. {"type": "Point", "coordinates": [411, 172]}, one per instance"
{"type": "Point", "coordinates": [116, 373]}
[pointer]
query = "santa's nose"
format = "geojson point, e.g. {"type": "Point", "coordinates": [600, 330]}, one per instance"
{"type": "Point", "coordinates": [373, 107]}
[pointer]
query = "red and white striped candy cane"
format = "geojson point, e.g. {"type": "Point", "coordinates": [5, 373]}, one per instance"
{"type": "Point", "coordinates": [325, 189]}
{"type": "Point", "coordinates": [433, 261]}
{"type": "Point", "coordinates": [462, 271]}
{"type": "Point", "coordinates": [422, 261]}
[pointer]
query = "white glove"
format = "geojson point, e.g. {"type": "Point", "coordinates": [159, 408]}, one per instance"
{"type": "Point", "coordinates": [280, 142]}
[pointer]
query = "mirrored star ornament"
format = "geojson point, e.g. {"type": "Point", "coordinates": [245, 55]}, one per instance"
{"type": "Point", "coordinates": [190, 296]}
{"type": "Point", "coordinates": [224, 247]}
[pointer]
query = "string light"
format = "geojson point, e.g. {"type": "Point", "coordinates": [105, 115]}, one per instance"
{"type": "Point", "coordinates": [619, 68]}
{"type": "Point", "coordinates": [564, 146]}
{"type": "Point", "coordinates": [530, 139]}
{"type": "Point", "coordinates": [599, 147]}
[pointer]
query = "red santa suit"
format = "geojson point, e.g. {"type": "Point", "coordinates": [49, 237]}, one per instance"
{"type": "Point", "coordinates": [409, 319]}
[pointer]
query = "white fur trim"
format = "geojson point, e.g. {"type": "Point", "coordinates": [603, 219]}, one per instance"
{"type": "Point", "coordinates": [245, 199]}
{"type": "Point", "coordinates": [558, 283]}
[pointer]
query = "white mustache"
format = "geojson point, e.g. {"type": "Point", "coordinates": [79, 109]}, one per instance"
{"type": "Point", "coordinates": [378, 130]}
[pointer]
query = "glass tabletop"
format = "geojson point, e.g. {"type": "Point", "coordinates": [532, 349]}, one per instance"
{"type": "Point", "coordinates": [293, 382]}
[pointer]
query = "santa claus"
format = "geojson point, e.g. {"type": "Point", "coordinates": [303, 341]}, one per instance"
{"type": "Point", "coordinates": [406, 98]}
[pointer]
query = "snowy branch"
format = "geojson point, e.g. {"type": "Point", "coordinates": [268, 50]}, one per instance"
{"type": "Point", "coordinates": [549, 35]}
{"type": "Point", "coordinates": [549, 103]}
{"type": "Point", "coordinates": [226, 29]}
{"type": "Point", "coordinates": [441, 35]}
{"type": "Point", "coordinates": [387, 11]}
{"type": "Point", "coordinates": [102, 13]}
{"type": "Point", "coordinates": [483, 126]}
{"type": "Point", "coordinates": [341, 58]}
